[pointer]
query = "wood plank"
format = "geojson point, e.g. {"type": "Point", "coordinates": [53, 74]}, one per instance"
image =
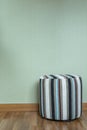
{"type": "Point", "coordinates": [26, 107]}
{"type": "Point", "coordinates": [33, 121]}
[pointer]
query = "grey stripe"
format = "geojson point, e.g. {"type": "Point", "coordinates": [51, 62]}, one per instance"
{"type": "Point", "coordinates": [56, 100]}
{"type": "Point", "coordinates": [42, 96]}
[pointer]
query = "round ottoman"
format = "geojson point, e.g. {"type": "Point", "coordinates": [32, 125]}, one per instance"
{"type": "Point", "coordinates": [60, 97]}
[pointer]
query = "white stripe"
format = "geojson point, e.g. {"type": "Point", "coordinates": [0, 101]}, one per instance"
{"type": "Point", "coordinates": [47, 98]}
{"type": "Point", "coordinates": [64, 99]}
{"type": "Point", "coordinates": [79, 97]}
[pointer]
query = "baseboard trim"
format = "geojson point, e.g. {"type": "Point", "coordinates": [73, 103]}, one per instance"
{"type": "Point", "coordinates": [19, 107]}
{"type": "Point", "coordinates": [84, 106]}
{"type": "Point", "coordinates": [26, 107]}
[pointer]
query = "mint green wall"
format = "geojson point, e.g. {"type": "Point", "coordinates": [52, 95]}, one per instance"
{"type": "Point", "coordinates": [40, 37]}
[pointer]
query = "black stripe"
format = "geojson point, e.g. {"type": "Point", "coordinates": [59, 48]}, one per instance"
{"type": "Point", "coordinates": [75, 94]}
{"type": "Point", "coordinates": [42, 96]}
{"type": "Point", "coordinates": [52, 98]}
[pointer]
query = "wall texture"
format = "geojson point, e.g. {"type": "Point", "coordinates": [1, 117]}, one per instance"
{"type": "Point", "coordinates": [40, 37]}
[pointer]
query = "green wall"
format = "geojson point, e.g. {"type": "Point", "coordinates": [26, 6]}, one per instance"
{"type": "Point", "coordinates": [40, 37]}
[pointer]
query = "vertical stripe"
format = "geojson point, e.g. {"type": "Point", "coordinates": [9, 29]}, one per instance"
{"type": "Point", "coordinates": [44, 97]}
{"type": "Point", "coordinates": [52, 98]}
{"type": "Point", "coordinates": [47, 97]}
{"type": "Point", "coordinates": [81, 95]}
{"type": "Point", "coordinates": [70, 100]}
{"type": "Point", "coordinates": [72, 104]}
{"type": "Point", "coordinates": [74, 94]}
{"type": "Point", "coordinates": [64, 97]}
{"type": "Point", "coordinates": [56, 97]}
{"type": "Point", "coordinates": [56, 100]}
{"type": "Point", "coordinates": [40, 108]}
{"type": "Point", "coordinates": [41, 97]}
{"type": "Point", "coordinates": [60, 98]}
{"type": "Point", "coordinates": [78, 97]}
{"type": "Point", "coordinates": [64, 111]}
{"type": "Point", "coordinates": [73, 98]}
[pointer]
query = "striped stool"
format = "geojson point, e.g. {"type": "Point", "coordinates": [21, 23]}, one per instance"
{"type": "Point", "coordinates": [60, 97]}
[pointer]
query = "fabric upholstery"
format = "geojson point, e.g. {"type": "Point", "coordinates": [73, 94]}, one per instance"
{"type": "Point", "coordinates": [60, 97]}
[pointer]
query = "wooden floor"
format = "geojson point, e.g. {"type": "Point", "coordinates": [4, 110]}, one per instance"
{"type": "Point", "coordinates": [32, 121]}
